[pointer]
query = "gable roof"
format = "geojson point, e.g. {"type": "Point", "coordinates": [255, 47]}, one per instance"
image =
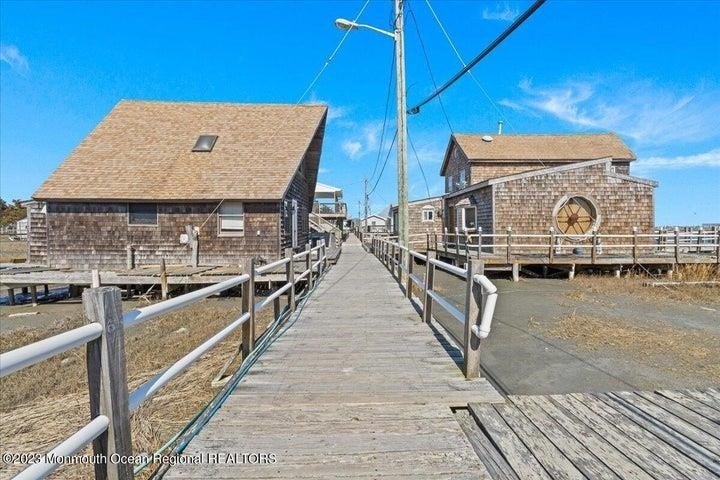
{"type": "Point", "coordinates": [142, 150]}
{"type": "Point", "coordinates": [550, 170]}
{"type": "Point", "coordinates": [551, 147]}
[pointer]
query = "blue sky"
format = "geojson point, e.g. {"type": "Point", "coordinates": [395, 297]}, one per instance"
{"type": "Point", "coordinates": [649, 71]}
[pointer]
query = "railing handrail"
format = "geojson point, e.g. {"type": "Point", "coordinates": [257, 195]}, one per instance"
{"type": "Point", "coordinates": [480, 304]}
{"type": "Point", "coordinates": [28, 355]}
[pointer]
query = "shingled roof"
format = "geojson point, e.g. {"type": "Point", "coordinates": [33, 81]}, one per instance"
{"type": "Point", "coordinates": [512, 148]}
{"type": "Point", "coordinates": [143, 151]}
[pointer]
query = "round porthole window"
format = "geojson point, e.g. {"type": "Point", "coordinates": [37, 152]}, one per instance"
{"type": "Point", "coordinates": [576, 216]}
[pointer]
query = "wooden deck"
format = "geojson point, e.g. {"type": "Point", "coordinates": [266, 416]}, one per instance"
{"type": "Point", "coordinates": [358, 387]}
{"type": "Point", "coordinates": [638, 435]}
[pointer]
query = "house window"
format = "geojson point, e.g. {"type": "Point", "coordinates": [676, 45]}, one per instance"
{"type": "Point", "coordinates": [428, 214]}
{"type": "Point", "coordinates": [466, 218]}
{"type": "Point", "coordinates": [461, 182]}
{"type": "Point", "coordinates": [231, 218]}
{"type": "Point", "coordinates": [142, 214]}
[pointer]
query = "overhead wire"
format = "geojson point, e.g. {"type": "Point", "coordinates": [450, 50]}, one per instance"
{"type": "Point", "coordinates": [385, 117]}
{"type": "Point", "coordinates": [307, 90]}
{"type": "Point", "coordinates": [384, 163]}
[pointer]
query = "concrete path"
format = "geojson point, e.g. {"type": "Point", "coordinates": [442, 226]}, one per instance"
{"type": "Point", "coordinates": [358, 387]}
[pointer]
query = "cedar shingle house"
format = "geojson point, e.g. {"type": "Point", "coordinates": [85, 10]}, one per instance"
{"type": "Point", "coordinates": [242, 176]}
{"type": "Point", "coordinates": [425, 216]}
{"type": "Point", "coordinates": [573, 183]}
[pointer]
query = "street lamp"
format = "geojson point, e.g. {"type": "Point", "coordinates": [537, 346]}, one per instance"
{"type": "Point", "coordinates": [398, 36]}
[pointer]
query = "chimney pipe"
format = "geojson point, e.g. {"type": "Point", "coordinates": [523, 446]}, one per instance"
{"type": "Point", "coordinates": [500, 127]}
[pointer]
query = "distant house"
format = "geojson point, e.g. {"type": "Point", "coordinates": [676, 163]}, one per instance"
{"type": "Point", "coordinates": [374, 224]}
{"type": "Point", "coordinates": [425, 216]}
{"type": "Point", "coordinates": [575, 184]}
{"type": "Point", "coordinates": [154, 174]}
{"type": "Point", "coordinates": [328, 204]}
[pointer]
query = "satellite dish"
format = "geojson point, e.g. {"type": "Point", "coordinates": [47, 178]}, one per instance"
{"type": "Point", "coordinates": [487, 138]}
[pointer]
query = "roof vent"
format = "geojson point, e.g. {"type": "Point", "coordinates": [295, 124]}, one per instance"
{"type": "Point", "coordinates": [205, 143]}
{"type": "Point", "coordinates": [487, 138]}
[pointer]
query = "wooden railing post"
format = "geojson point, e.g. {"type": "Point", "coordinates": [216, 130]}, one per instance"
{"type": "Point", "coordinates": [429, 283]}
{"type": "Point", "coordinates": [717, 246]}
{"type": "Point", "coordinates": [677, 245]}
{"type": "Point", "coordinates": [473, 314]}
{"type": "Point", "coordinates": [163, 280]}
{"type": "Point", "coordinates": [699, 240]}
{"type": "Point", "coordinates": [107, 381]}
{"type": "Point", "coordinates": [509, 243]}
{"type": "Point", "coordinates": [551, 250]}
{"type": "Point", "coordinates": [445, 241]}
{"type": "Point", "coordinates": [427, 241]}
{"type": "Point", "coordinates": [130, 257]}
{"type": "Point", "coordinates": [392, 259]}
{"type": "Point", "coordinates": [457, 246]}
{"type": "Point", "coordinates": [308, 265]}
{"type": "Point", "coordinates": [290, 274]}
{"type": "Point", "coordinates": [635, 244]}
{"type": "Point", "coordinates": [409, 270]}
{"type": "Point", "coordinates": [467, 247]}
{"type": "Point", "coordinates": [593, 249]}
{"type": "Point", "coordinates": [324, 263]}
{"type": "Point", "coordinates": [480, 242]}
{"type": "Point", "coordinates": [248, 306]}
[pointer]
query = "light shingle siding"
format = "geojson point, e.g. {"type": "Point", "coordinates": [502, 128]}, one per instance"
{"type": "Point", "coordinates": [417, 228]}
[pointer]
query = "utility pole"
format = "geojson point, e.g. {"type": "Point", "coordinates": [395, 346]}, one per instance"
{"type": "Point", "coordinates": [403, 218]}
{"type": "Point", "coordinates": [367, 229]}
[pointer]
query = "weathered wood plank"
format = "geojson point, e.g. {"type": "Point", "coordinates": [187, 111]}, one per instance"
{"type": "Point", "coordinates": [694, 419]}
{"type": "Point", "coordinates": [495, 463]}
{"type": "Point", "coordinates": [577, 452]}
{"type": "Point", "coordinates": [520, 458]}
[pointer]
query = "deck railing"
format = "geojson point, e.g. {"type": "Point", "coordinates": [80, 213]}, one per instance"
{"type": "Point", "coordinates": [110, 402]}
{"type": "Point", "coordinates": [676, 245]}
{"type": "Point", "coordinates": [335, 209]}
{"type": "Point", "coordinates": [480, 294]}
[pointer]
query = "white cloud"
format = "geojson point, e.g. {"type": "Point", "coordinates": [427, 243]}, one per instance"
{"type": "Point", "coordinates": [11, 55]}
{"type": "Point", "coordinates": [503, 11]}
{"type": "Point", "coordinates": [706, 159]}
{"type": "Point", "coordinates": [323, 171]}
{"type": "Point", "coordinates": [336, 112]}
{"type": "Point", "coordinates": [352, 148]}
{"type": "Point", "coordinates": [366, 140]}
{"type": "Point", "coordinates": [637, 109]}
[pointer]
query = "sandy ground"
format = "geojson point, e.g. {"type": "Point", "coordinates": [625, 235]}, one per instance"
{"type": "Point", "coordinates": [598, 334]}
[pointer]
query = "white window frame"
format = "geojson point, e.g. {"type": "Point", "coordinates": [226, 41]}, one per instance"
{"type": "Point", "coordinates": [461, 218]}
{"type": "Point", "coordinates": [425, 212]}
{"type": "Point", "coordinates": [231, 231]}
{"type": "Point", "coordinates": [461, 181]}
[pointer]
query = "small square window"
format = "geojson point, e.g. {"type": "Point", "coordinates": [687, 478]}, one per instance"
{"type": "Point", "coordinates": [231, 218]}
{"type": "Point", "coordinates": [142, 214]}
{"type": "Point", "coordinates": [205, 143]}
{"type": "Point", "coordinates": [428, 214]}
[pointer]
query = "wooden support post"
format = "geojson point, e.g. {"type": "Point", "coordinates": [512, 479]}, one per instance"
{"type": "Point", "coordinates": [248, 306]}
{"type": "Point", "coordinates": [427, 241]}
{"type": "Point", "coordinates": [24, 290]}
{"type": "Point", "coordinates": [515, 272]}
{"type": "Point", "coordinates": [409, 270]}
{"type": "Point", "coordinates": [593, 249]}
{"type": "Point", "coordinates": [509, 243]}
{"type": "Point", "coordinates": [635, 245]}
{"type": "Point", "coordinates": [445, 241]}
{"type": "Point", "coordinates": [473, 307]}
{"type": "Point", "coordinates": [276, 308]}
{"type": "Point", "coordinates": [324, 263]}
{"type": "Point", "coordinates": [46, 290]}
{"type": "Point", "coordinates": [11, 296]}
{"type": "Point", "coordinates": [308, 265]}
{"type": "Point", "coordinates": [677, 245]}
{"type": "Point", "coordinates": [392, 260]}
{"type": "Point", "coordinates": [571, 272]}
{"type": "Point", "coordinates": [33, 295]}
{"type": "Point", "coordinates": [107, 381]}
{"type": "Point", "coordinates": [480, 242]}
{"type": "Point", "coordinates": [457, 247]}
{"type": "Point", "coordinates": [551, 250]}
{"type": "Point", "coordinates": [617, 272]}
{"type": "Point", "coordinates": [429, 282]}
{"type": "Point", "coordinates": [95, 281]}
{"type": "Point", "coordinates": [717, 245]}
{"type": "Point", "coordinates": [699, 241]}
{"type": "Point", "coordinates": [163, 280]}
{"type": "Point", "coordinates": [290, 275]}
{"type": "Point", "coordinates": [129, 257]}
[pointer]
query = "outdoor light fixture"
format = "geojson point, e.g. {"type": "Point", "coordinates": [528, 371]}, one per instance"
{"type": "Point", "coordinates": [344, 24]}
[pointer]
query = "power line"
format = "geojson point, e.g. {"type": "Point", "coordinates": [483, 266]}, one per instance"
{"type": "Point", "coordinates": [310, 86]}
{"type": "Point", "coordinates": [412, 146]}
{"type": "Point", "coordinates": [427, 62]}
{"type": "Point", "coordinates": [519, 21]}
{"type": "Point", "coordinates": [385, 118]}
{"type": "Point", "coordinates": [384, 163]}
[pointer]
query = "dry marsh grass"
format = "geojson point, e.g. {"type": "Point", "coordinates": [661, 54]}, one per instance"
{"type": "Point", "coordinates": [635, 284]}
{"type": "Point", "coordinates": [686, 348]}
{"type": "Point", "coordinates": [45, 403]}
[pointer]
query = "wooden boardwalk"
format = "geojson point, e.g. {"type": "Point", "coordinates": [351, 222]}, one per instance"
{"type": "Point", "coordinates": [358, 387]}
{"type": "Point", "coordinates": [638, 435]}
